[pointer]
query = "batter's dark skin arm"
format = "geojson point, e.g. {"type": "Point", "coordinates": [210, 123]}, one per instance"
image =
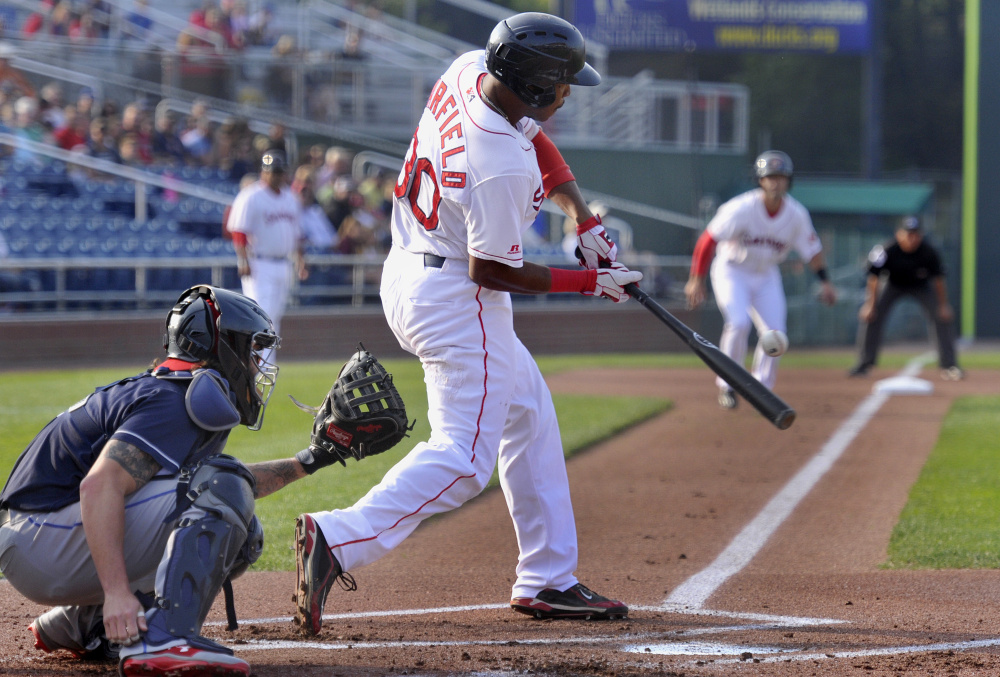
{"type": "Point", "coordinates": [530, 278]}
{"type": "Point", "coordinates": [569, 199]}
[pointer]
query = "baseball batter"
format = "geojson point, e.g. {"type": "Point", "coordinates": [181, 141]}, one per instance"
{"type": "Point", "coordinates": [267, 235]}
{"type": "Point", "coordinates": [476, 173]}
{"type": "Point", "coordinates": [754, 232]}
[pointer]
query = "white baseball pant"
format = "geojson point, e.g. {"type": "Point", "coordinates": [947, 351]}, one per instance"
{"type": "Point", "coordinates": [746, 296]}
{"type": "Point", "coordinates": [487, 400]}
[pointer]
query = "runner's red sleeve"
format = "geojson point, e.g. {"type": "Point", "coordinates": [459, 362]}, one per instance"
{"type": "Point", "coordinates": [572, 280]}
{"type": "Point", "coordinates": [555, 170]}
{"type": "Point", "coordinates": [704, 250]}
{"type": "Point", "coordinates": [239, 239]}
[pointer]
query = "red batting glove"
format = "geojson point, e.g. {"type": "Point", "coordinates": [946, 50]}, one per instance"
{"type": "Point", "coordinates": [593, 244]}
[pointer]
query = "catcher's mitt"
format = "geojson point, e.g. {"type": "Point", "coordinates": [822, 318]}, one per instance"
{"type": "Point", "coordinates": [362, 415]}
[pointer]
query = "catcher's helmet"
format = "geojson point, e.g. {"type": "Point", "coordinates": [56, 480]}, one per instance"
{"type": "Point", "coordinates": [773, 162]}
{"type": "Point", "coordinates": [532, 52]}
{"type": "Point", "coordinates": [232, 335]}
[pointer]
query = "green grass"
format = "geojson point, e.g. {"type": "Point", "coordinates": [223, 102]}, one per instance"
{"type": "Point", "coordinates": [952, 517]}
{"type": "Point", "coordinates": [28, 400]}
{"type": "Point", "coordinates": [951, 520]}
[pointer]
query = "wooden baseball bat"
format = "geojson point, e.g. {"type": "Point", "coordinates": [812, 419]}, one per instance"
{"type": "Point", "coordinates": [772, 407]}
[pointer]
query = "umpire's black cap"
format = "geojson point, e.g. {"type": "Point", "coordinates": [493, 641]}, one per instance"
{"type": "Point", "coordinates": [910, 223]}
{"type": "Point", "coordinates": [272, 161]}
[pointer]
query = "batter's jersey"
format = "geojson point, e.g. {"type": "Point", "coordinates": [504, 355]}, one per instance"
{"type": "Point", "coordinates": [144, 411]}
{"type": "Point", "coordinates": [905, 270]}
{"type": "Point", "coordinates": [270, 221]}
{"type": "Point", "coordinates": [752, 238]}
{"type": "Point", "coordinates": [471, 183]}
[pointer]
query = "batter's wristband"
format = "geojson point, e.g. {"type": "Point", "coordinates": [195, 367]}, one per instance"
{"type": "Point", "coordinates": [572, 280]}
{"type": "Point", "coordinates": [822, 275]}
{"type": "Point", "coordinates": [593, 221]}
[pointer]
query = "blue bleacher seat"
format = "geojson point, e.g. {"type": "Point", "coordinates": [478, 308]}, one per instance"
{"type": "Point", "coordinates": [51, 225]}
{"type": "Point", "coordinates": [86, 247]}
{"type": "Point", "coordinates": [19, 248]}
{"type": "Point", "coordinates": [66, 246]}
{"type": "Point", "coordinates": [194, 247]}
{"type": "Point", "coordinates": [43, 247]}
{"type": "Point", "coordinates": [116, 224]}
{"type": "Point", "coordinates": [219, 247]}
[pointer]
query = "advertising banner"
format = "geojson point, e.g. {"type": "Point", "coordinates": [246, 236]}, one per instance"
{"type": "Point", "coordinates": [816, 26]}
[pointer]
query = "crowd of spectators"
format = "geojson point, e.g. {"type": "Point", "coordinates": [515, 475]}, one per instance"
{"type": "Point", "coordinates": [343, 214]}
{"type": "Point", "coordinates": [238, 22]}
{"type": "Point", "coordinates": [340, 214]}
{"type": "Point", "coordinates": [354, 212]}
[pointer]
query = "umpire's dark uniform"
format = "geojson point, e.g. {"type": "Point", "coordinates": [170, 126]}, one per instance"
{"type": "Point", "coordinates": [918, 273]}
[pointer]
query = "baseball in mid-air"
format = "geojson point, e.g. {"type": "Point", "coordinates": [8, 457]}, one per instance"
{"type": "Point", "coordinates": [774, 342]}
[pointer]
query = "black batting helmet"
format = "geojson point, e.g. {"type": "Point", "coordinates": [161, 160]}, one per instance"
{"type": "Point", "coordinates": [771, 163]}
{"type": "Point", "coordinates": [532, 52]}
{"type": "Point", "coordinates": [231, 334]}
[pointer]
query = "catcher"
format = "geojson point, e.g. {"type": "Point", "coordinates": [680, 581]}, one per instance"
{"type": "Point", "coordinates": [125, 514]}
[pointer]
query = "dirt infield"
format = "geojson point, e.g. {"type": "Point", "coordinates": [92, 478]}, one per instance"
{"type": "Point", "coordinates": [798, 590]}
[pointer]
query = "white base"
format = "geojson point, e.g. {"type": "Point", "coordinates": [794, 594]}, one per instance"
{"type": "Point", "coordinates": [903, 385]}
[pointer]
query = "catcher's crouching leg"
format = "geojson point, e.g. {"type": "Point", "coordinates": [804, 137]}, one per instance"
{"type": "Point", "coordinates": [218, 537]}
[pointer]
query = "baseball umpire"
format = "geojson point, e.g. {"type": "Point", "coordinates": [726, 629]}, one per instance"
{"type": "Point", "coordinates": [908, 266]}
{"type": "Point", "coordinates": [125, 512]}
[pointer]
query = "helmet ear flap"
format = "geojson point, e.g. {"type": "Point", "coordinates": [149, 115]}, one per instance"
{"type": "Point", "coordinates": [192, 326]}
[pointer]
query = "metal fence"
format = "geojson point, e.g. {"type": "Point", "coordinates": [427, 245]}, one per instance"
{"type": "Point", "coordinates": [51, 285]}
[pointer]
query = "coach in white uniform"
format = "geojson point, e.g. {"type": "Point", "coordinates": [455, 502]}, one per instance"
{"type": "Point", "coordinates": [475, 175]}
{"type": "Point", "coordinates": [755, 232]}
{"type": "Point", "coordinates": [267, 233]}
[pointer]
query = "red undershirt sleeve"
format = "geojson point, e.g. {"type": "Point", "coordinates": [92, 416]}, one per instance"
{"type": "Point", "coordinates": [555, 170]}
{"type": "Point", "coordinates": [704, 250]}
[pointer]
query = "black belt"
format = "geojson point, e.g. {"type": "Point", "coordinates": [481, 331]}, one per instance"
{"type": "Point", "coordinates": [433, 261]}
{"type": "Point", "coordinates": [271, 258]}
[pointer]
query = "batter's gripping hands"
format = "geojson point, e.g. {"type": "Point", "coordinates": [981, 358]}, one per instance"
{"type": "Point", "coordinates": [611, 282]}
{"type": "Point", "coordinates": [594, 247]}
{"type": "Point", "coordinates": [362, 415]}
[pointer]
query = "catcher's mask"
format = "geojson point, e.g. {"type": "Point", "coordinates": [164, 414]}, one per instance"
{"type": "Point", "coordinates": [231, 334]}
{"type": "Point", "coordinates": [532, 52]}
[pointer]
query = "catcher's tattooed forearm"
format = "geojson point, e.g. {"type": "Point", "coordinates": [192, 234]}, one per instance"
{"type": "Point", "coordinates": [274, 475]}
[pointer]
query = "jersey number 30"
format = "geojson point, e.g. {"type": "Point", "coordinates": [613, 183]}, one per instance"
{"type": "Point", "coordinates": [418, 184]}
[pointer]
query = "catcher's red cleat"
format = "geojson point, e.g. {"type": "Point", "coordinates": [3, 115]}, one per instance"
{"type": "Point", "coordinates": [183, 661]}
{"type": "Point", "coordinates": [39, 642]}
{"type": "Point", "coordinates": [315, 571]}
{"type": "Point", "coordinates": [576, 602]}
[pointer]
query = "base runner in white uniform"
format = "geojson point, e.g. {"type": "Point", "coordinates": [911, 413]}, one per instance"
{"type": "Point", "coordinates": [268, 238]}
{"type": "Point", "coordinates": [755, 231]}
{"type": "Point", "coordinates": [476, 173]}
